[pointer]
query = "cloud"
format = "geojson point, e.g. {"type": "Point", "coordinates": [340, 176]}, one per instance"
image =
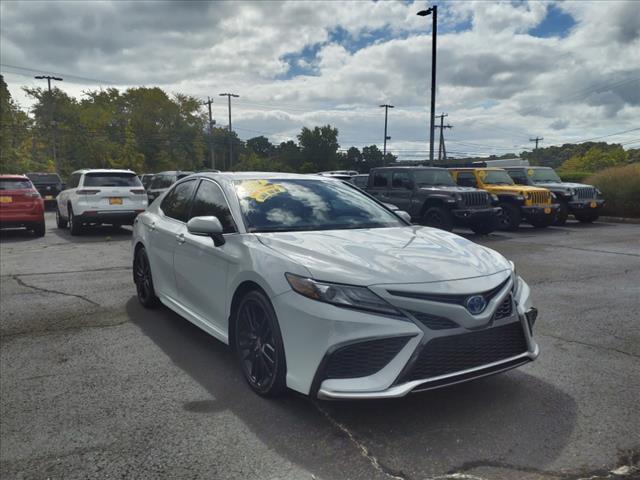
{"type": "Point", "coordinates": [308, 63]}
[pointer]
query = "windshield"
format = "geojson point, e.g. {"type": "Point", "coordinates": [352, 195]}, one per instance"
{"type": "Point", "coordinates": [162, 181]}
{"type": "Point", "coordinates": [496, 177]}
{"type": "Point", "coordinates": [14, 184]}
{"type": "Point", "coordinates": [544, 175]}
{"type": "Point", "coordinates": [295, 205]}
{"type": "Point", "coordinates": [106, 179]}
{"type": "Point", "coordinates": [44, 177]}
{"type": "Point", "coordinates": [431, 178]}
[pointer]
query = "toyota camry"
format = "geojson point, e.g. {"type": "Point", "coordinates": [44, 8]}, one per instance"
{"type": "Point", "coordinates": [319, 288]}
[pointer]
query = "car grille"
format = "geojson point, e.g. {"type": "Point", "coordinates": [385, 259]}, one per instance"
{"type": "Point", "coordinates": [449, 298]}
{"type": "Point", "coordinates": [540, 197]}
{"type": "Point", "coordinates": [363, 358]}
{"type": "Point", "coordinates": [586, 192]}
{"type": "Point", "coordinates": [455, 353]}
{"type": "Point", "coordinates": [433, 322]}
{"type": "Point", "coordinates": [505, 309]}
{"type": "Point", "coordinates": [475, 199]}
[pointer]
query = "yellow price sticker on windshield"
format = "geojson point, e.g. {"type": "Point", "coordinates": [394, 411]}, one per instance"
{"type": "Point", "coordinates": [261, 190]}
{"type": "Point", "coordinates": [530, 172]}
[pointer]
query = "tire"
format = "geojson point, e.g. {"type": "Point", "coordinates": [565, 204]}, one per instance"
{"type": "Point", "coordinates": [39, 229]}
{"type": "Point", "coordinates": [562, 214]}
{"type": "Point", "coordinates": [143, 279]}
{"type": "Point", "coordinates": [258, 345]}
{"type": "Point", "coordinates": [75, 227]}
{"type": "Point", "coordinates": [510, 217]}
{"type": "Point", "coordinates": [437, 217]}
{"type": "Point", "coordinates": [60, 221]}
{"type": "Point", "coordinates": [589, 217]}
{"type": "Point", "coordinates": [542, 222]}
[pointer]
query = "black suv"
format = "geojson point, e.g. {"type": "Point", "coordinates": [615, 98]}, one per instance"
{"type": "Point", "coordinates": [583, 201]}
{"type": "Point", "coordinates": [432, 198]}
{"type": "Point", "coordinates": [161, 182]}
{"type": "Point", "coordinates": [49, 185]}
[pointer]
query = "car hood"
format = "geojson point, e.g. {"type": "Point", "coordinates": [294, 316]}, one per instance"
{"type": "Point", "coordinates": [451, 188]}
{"type": "Point", "coordinates": [566, 185]}
{"type": "Point", "coordinates": [514, 188]}
{"type": "Point", "coordinates": [386, 255]}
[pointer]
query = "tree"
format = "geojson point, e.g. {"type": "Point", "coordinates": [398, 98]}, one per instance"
{"type": "Point", "coordinates": [319, 147]}
{"type": "Point", "coordinates": [15, 135]}
{"type": "Point", "coordinates": [372, 157]}
{"type": "Point", "coordinates": [289, 154]}
{"type": "Point", "coordinates": [595, 159]}
{"type": "Point", "coordinates": [261, 146]}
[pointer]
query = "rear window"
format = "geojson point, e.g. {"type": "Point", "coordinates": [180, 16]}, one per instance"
{"type": "Point", "coordinates": [44, 177]}
{"type": "Point", "coordinates": [15, 184]}
{"type": "Point", "coordinates": [162, 181]}
{"type": "Point", "coordinates": [108, 179]}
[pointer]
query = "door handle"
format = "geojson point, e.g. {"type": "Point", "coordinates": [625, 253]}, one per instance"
{"type": "Point", "coordinates": [152, 226]}
{"type": "Point", "coordinates": [180, 238]}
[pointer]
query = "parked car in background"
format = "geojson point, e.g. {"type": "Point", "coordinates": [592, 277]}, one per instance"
{"type": "Point", "coordinates": [318, 288]}
{"type": "Point", "coordinates": [146, 179]}
{"type": "Point", "coordinates": [99, 196]}
{"type": "Point", "coordinates": [350, 173]}
{"type": "Point", "coordinates": [583, 201]}
{"type": "Point", "coordinates": [49, 185]}
{"type": "Point", "coordinates": [360, 181]}
{"type": "Point", "coordinates": [161, 182]}
{"type": "Point", "coordinates": [20, 204]}
{"type": "Point", "coordinates": [518, 202]}
{"type": "Point", "coordinates": [432, 198]}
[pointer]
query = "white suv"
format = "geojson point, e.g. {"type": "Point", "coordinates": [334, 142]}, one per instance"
{"type": "Point", "coordinates": [97, 196]}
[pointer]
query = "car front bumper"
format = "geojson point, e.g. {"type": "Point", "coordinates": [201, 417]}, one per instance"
{"type": "Point", "coordinates": [476, 215]}
{"type": "Point", "coordinates": [539, 211]}
{"type": "Point", "coordinates": [313, 333]}
{"type": "Point", "coordinates": [586, 205]}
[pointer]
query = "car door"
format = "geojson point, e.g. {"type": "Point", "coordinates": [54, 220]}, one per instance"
{"type": "Point", "coordinates": [200, 267]}
{"type": "Point", "coordinates": [381, 184]}
{"type": "Point", "coordinates": [401, 190]}
{"type": "Point", "coordinates": [167, 230]}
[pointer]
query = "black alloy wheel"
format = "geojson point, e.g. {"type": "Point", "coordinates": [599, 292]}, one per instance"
{"type": "Point", "coordinates": [562, 214]}
{"type": "Point", "coordinates": [143, 280]}
{"type": "Point", "coordinates": [437, 217]}
{"type": "Point", "coordinates": [258, 345]}
{"type": "Point", "coordinates": [509, 218]}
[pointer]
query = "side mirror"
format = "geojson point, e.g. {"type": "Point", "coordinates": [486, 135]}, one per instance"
{"type": "Point", "coordinates": [403, 215]}
{"type": "Point", "coordinates": [207, 227]}
{"type": "Point", "coordinates": [391, 206]}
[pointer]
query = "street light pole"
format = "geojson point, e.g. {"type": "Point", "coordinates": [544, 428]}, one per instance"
{"type": "Point", "coordinates": [229, 95]}
{"type": "Point", "coordinates": [52, 125]}
{"type": "Point", "coordinates": [384, 151]}
{"type": "Point", "coordinates": [433, 11]}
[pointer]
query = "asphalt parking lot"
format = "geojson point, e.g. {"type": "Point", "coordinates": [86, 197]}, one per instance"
{"type": "Point", "coordinates": [94, 386]}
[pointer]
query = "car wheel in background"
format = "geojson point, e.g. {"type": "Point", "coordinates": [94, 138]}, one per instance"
{"type": "Point", "coordinates": [143, 279]}
{"type": "Point", "coordinates": [60, 221]}
{"type": "Point", "coordinates": [75, 226]}
{"type": "Point", "coordinates": [542, 222]}
{"type": "Point", "coordinates": [483, 228]}
{"type": "Point", "coordinates": [437, 217]}
{"type": "Point", "coordinates": [562, 214]}
{"type": "Point", "coordinates": [258, 345]}
{"type": "Point", "coordinates": [39, 229]}
{"type": "Point", "coordinates": [588, 217]}
{"type": "Point", "coordinates": [509, 218]}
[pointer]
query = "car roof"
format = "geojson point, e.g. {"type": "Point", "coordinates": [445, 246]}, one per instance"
{"type": "Point", "coordinates": [409, 167]}
{"type": "Point", "coordinates": [471, 169]}
{"type": "Point", "coordinates": [9, 176]}
{"type": "Point", "coordinates": [103, 170]}
{"type": "Point", "coordinates": [525, 167]}
{"type": "Point", "coordinates": [233, 176]}
{"type": "Point", "coordinates": [173, 172]}
{"type": "Point", "coordinates": [41, 173]}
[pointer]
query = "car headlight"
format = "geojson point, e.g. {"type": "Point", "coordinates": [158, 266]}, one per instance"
{"type": "Point", "coordinates": [494, 197]}
{"type": "Point", "coordinates": [520, 198]}
{"type": "Point", "coordinates": [348, 296]}
{"type": "Point", "coordinates": [598, 192]}
{"type": "Point", "coordinates": [554, 196]}
{"type": "Point", "coordinates": [572, 191]}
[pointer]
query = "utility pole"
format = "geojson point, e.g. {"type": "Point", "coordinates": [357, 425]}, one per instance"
{"type": "Point", "coordinates": [229, 95]}
{"type": "Point", "coordinates": [51, 118]}
{"type": "Point", "coordinates": [212, 122]}
{"type": "Point", "coordinates": [434, 35]}
{"type": "Point", "coordinates": [384, 150]}
{"type": "Point", "coordinates": [442, 148]}
{"type": "Point", "coordinates": [537, 139]}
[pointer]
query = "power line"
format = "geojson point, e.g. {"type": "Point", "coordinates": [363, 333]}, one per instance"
{"type": "Point", "coordinates": [537, 139]}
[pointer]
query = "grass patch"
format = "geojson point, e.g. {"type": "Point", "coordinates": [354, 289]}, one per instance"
{"type": "Point", "coordinates": [621, 189]}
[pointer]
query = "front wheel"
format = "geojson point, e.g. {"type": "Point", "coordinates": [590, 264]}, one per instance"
{"type": "Point", "coordinates": [437, 217]}
{"type": "Point", "coordinates": [60, 221]}
{"type": "Point", "coordinates": [143, 280]}
{"type": "Point", "coordinates": [39, 229]}
{"type": "Point", "coordinates": [542, 221]}
{"type": "Point", "coordinates": [258, 345]}
{"type": "Point", "coordinates": [509, 218]}
{"type": "Point", "coordinates": [588, 217]}
{"type": "Point", "coordinates": [75, 226]}
{"type": "Point", "coordinates": [562, 214]}
{"type": "Point", "coordinates": [483, 228]}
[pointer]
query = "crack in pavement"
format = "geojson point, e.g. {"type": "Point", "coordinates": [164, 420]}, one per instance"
{"type": "Point", "coordinates": [64, 272]}
{"type": "Point", "coordinates": [364, 451]}
{"type": "Point", "coordinates": [46, 290]}
{"type": "Point", "coordinates": [585, 344]}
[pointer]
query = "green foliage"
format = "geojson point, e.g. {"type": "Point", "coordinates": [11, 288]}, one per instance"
{"type": "Point", "coordinates": [15, 144]}
{"type": "Point", "coordinates": [621, 189]}
{"type": "Point", "coordinates": [596, 158]}
{"type": "Point", "coordinates": [319, 147]}
{"type": "Point", "coordinates": [577, 177]}
{"type": "Point", "coordinates": [556, 156]}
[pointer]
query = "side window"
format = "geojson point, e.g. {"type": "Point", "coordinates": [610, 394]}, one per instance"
{"type": "Point", "coordinates": [73, 181]}
{"type": "Point", "coordinates": [381, 179]}
{"type": "Point", "coordinates": [467, 179]}
{"type": "Point", "coordinates": [518, 177]}
{"type": "Point", "coordinates": [400, 180]}
{"type": "Point", "coordinates": [176, 203]}
{"type": "Point", "coordinates": [210, 201]}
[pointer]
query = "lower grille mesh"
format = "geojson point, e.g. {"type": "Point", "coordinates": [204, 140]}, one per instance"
{"type": "Point", "coordinates": [363, 358]}
{"type": "Point", "coordinates": [505, 309]}
{"type": "Point", "coordinates": [444, 355]}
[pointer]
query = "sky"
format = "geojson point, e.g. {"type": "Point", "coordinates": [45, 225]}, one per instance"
{"type": "Point", "coordinates": [507, 71]}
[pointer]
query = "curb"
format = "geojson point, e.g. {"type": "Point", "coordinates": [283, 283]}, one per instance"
{"type": "Point", "coordinates": [619, 220]}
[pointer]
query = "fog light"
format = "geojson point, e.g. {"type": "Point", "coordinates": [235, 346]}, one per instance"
{"type": "Point", "coordinates": [532, 315]}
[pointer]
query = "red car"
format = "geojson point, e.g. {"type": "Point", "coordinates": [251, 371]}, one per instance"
{"type": "Point", "coordinates": [20, 204]}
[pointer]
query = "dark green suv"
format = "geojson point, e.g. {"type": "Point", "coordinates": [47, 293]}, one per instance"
{"type": "Point", "coordinates": [583, 201]}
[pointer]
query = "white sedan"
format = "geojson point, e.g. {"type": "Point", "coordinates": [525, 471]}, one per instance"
{"type": "Point", "coordinates": [320, 288]}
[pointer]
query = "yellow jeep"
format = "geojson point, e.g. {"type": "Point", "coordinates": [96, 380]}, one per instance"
{"type": "Point", "coordinates": [534, 204]}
